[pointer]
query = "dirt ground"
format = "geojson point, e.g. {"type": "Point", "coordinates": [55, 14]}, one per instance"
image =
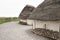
{"type": "Point", "coordinates": [15, 31]}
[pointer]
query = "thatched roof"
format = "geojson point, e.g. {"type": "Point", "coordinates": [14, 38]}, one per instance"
{"type": "Point", "coordinates": [49, 10]}
{"type": "Point", "coordinates": [26, 12]}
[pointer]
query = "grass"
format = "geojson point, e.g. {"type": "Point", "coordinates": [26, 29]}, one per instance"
{"type": "Point", "coordinates": [7, 19]}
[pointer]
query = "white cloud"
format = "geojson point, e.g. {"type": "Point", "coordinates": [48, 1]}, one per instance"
{"type": "Point", "coordinates": [12, 8]}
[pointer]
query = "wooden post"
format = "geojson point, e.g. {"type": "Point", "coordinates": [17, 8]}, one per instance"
{"type": "Point", "coordinates": [34, 25]}
{"type": "Point", "coordinates": [44, 26]}
{"type": "Point", "coordinates": [45, 29]}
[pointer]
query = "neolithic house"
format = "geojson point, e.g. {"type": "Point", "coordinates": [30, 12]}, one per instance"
{"type": "Point", "coordinates": [26, 12]}
{"type": "Point", "coordinates": [47, 15]}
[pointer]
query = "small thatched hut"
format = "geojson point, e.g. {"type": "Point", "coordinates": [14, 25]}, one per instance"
{"type": "Point", "coordinates": [47, 15]}
{"type": "Point", "coordinates": [26, 12]}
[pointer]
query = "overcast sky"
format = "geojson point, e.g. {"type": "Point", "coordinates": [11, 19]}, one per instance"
{"type": "Point", "coordinates": [12, 8]}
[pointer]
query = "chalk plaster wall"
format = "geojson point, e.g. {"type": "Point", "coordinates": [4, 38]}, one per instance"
{"type": "Point", "coordinates": [52, 25]}
{"type": "Point", "coordinates": [23, 20]}
{"type": "Point", "coordinates": [30, 22]}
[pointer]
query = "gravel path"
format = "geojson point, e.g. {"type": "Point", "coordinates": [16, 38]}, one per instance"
{"type": "Point", "coordinates": [15, 31]}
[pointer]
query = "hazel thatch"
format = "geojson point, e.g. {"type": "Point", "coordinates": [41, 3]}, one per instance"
{"type": "Point", "coordinates": [26, 12]}
{"type": "Point", "coordinates": [49, 10]}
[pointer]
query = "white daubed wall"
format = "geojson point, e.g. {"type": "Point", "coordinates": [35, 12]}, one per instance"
{"type": "Point", "coordinates": [29, 22]}
{"type": "Point", "coordinates": [23, 20]}
{"type": "Point", "coordinates": [52, 25]}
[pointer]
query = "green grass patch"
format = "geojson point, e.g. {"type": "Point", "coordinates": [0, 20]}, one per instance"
{"type": "Point", "coordinates": [8, 19]}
